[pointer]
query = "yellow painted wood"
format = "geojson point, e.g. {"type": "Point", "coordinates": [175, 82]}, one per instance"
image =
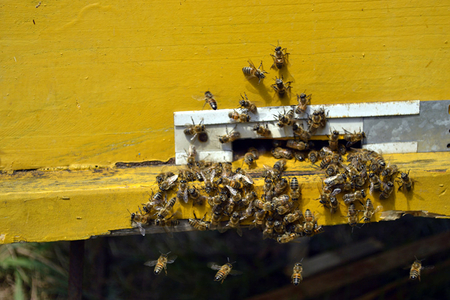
{"type": "Point", "coordinates": [87, 83]}
{"type": "Point", "coordinates": [42, 206]}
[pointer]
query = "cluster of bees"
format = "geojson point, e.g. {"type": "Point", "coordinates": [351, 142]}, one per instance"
{"type": "Point", "coordinates": [274, 210]}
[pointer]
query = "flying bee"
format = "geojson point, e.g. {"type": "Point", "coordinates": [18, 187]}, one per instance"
{"type": "Point", "coordinates": [414, 273]}
{"type": "Point", "coordinates": [296, 277]}
{"type": "Point", "coordinates": [387, 190]}
{"type": "Point", "coordinates": [239, 117]}
{"type": "Point", "coordinates": [295, 189]}
{"type": "Point", "coordinates": [224, 270]}
{"type": "Point", "coordinates": [251, 155]}
{"type": "Point", "coordinates": [353, 138]}
{"type": "Point", "coordinates": [208, 99]}
{"type": "Point", "coordinates": [252, 71]}
{"type": "Point", "coordinates": [303, 101]}
{"type": "Point", "coordinates": [199, 224]}
{"type": "Point", "coordinates": [292, 217]}
{"type": "Point", "coordinates": [230, 136]}
{"type": "Point", "coordinates": [210, 185]}
{"type": "Point", "coordinates": [333, 140]}
{"type": "Point", "coordinates": [287, 237]}
{"type": "Point", "coordinates": [375, 183]}
{"type": "Point", "coordinates": [262, 130]}
{"type": "Point", "coordinates": [281, 87]}
{"type": "Point", "coordinates": [356, 196]}
{"type": "Point", "coordinates": [250, 106]}
{"type": "Point", "coordinates": [285, 119]}
{"type": "Point", "coordinates": [168, 183]}
{"type": "Point", "coordinates": [388, 172]}
{"type": "Point", "coordinates": [165, 210]}
{"type": "Point", "coordinates": [317, 120]}
{"type": "Point", "coordinates": [369, 210]}
{"type": "Point", "coordinates": [196, 130]}
{"type": "Point", "coordinates": [279, 57]}
{"type": "Point", "coordinates": [234, 222]}
{"type": "Point", "coordinates": [161, 263]}
{"type": "Point", "coordinates": [302, 134]}
{"type": "Point", "coordinates": [406, 182]}
{"type": "Point", "coordinates": [279, 152]}
{"type": "Point", "coordinates": [352, 215]}
{"type": "Point", "coordinates": [313, 156]}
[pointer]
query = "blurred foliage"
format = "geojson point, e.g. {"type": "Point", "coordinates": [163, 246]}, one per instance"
{"type": "Point", "coordinates": [114, 266]}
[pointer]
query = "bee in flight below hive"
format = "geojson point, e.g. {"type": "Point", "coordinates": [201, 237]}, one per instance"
{"type": "Point", "coordinates": [297, 277]}
{"type": "Point", "coordinates": [223, 271]}
{"type": "Point", "coordinates": [161, 263]}
{"type": "Point", "coordinates": [416, 267]}
{"type": "Point", "coordinates": [252, 71]}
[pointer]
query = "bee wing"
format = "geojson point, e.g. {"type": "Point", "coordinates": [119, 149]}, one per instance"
{"type": "Point", "coordinates": [232, 190]}
{"type": "Point", "coordinates": [235, 272]}
{"type": "Point", "coordinates": [330, 179]}
{"type": "Point", "coordinates": [204, 177]}
{"type": "Point", "coordinates": [172, 259]}
{"type": "Point", "coordinates": [214, 266]}
{"type": "Point", "coordinates": [427, 267]}
{"type": "Point", "coordinates": [213, 173]}
{"type": "Point", "coordinates": [141, 229]}
{"type": "Point", "coordinates": [194, 136]}
{"type": "Point", "coordinates": [172, 179]}
{"type": "Point", "coordinates": [335, 192]}
{"type": "Point", "coordinates": [245, 177]}
{"type": "Point", "coordinates": [185, 196]}
{"type": "Point", "coordinates": [239, 230]}
{"type": "Point", "coordinates": [251, 64]}
{"type": "Point", "coordinates": [151, 263]}
{"type": "Point", "coordinates": [199, 98]}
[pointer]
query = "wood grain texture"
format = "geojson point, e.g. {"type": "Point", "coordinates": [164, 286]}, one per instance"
{"type": "Point", "coordinates": [86, 83]}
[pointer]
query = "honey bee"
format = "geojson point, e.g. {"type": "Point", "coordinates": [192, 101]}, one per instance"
{"type": "Point", "coordinates": [388, 172]}
{"type": "Point", "coordinates": [284, 209]}
{"type": "Point", "coordinates": [281, 87]}
{"type": "Point", "coordinates": [405, 182]}
{"type": "Point", "coordinates": [333, 140]}
{"type": "Point", "coordinates": [234, 222]}
{"type": "Point", "coordinates": [356, 196]}
{"type": "Point", "coordinates": [295, 189]}
{"type": "Point", "coordinates": [387, 190]}
{"type": "Point", "coordinates": [251, 155]}
{"type": "Point", "coordinates": [155, 200]}
{"type": "Point", "coordinates": [245, 178]}
{"type": "Point", "coordinates": [165, 210]}
{"type": "Point", "coordinates": [369, 210]}
{"type": "Point", "coordinates": [332, 169]}
{"type": "Point", "coordinates": [187, 175]}
{"type": "Point", "coordinates": [208, 98]}
{"type": "Point", "coordinates": [168, 183]}
{"type": "Point", "coordinates": [252, 71]}
{"type": "Point", "coordinates": [279, 152]}
{"type": "Point", "coordinates": [302, 134]}
{"type": "Point", "coordinates": [328, 199]}
{"type": "Point", "coordinates": [352, 215]}
{"type": "Point", "coordinates": [292, 217]}
{"type": "Point", "coordinates": [279, 227]}
{"type": "Point", "coordinates": [182, 193]}
{"type": "Point", "coordinates": [230, 137]}
{"type": "Point", "coordinates": [296, 277]}
{"type": "Point", "coordinates": [161, 263]}
{"type": "Point", "coordinates": [163, 176]}
{"type": "Point", "coordinates": [191, 154]}
{"type": "Point", "coordinates": [138, 220]}
{"type": "Point", "coordinates": [195, 195]}
{"type": "Point", "coordinates": [239, 117]}
{"type": "Point", "coordinates": [199, 224]}
{"type": "Point", "coordinates": [262, 130]}
{"type": "Point", "coordinates": [297, 145]}
{"type": "Point", "coordinates": [210, 185]}
{"type": "Point", "coordinates": [353, 138]}
{"type": "Point", "coordinates": [313, 156]}
{"type": "Point", "coordinates": [216, 216]}
{"type": "Point", "coordinates": [325, 162]}
{"type": "Point", "coordinates": [308, 225]}
{"type": "Point", "coordinates": [281, 186]}
{"type": "Point", "coordinates": [279, 57]}
{"type": "Point", "coordinates": [250, 106]}
{"type": "Point", "coordinates": [231, 183]}
{"type": "Point", "coordinates": [281, 200]}
{"type": "Point", "coordinates": [377, 163]}
{"type": "Point", "coordinates": [279, 166]}
{"type": "Point", "coordinates": [303, 101]}
{"type": "Point", "coordinates": [287, 237]}
{"type": "Point", "coordinates": [224, 270]}
{"type": "Point", "coordinates": [317, 120]}
{"type": "Point", "coordinates": [259, 219]}
{"type": "Point", "coordinates": [375, 183]}
{"type": "Point", "coordinates": [285, 119]}
{"type": "Point", "coordinates": [196, 130]}
{"type": "Point", "coordinates": [335, 180]}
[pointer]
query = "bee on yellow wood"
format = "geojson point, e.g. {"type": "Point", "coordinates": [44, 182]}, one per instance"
{"type": "Point", "coordinates": [262, 130]}
{"type": "Point", "coordinates": [353, 138]}
{"type": "Point", "coordinates": [280, 57]}
{"type": "Point", "coordinates": [352, 215]}
{"type": "Point", "coordinates": [210, 184]}
{"type": "Point", "coordinates": [250, 106]}
{"type": "Point", "coordinates": [295, 189]}
{"type": "Point", "coordinates": [281, 186]}
{"type": "Point", "coordinates": [313, 156]}
{"type": "Point", "coordinates": [239, 117]}
{"type": "Point", "coordinates": [163, 176]}
{"type": "Point", "coordinates": [165, 210]}
{"type": "Point", "coordinates": [303, 101]}
{"type": "Point", "coordinates": [199, 224]}
{"type": "Point", "coordinates": [328, 199]}
{"type": "Point", "coordinates": [310, 221]}
{"type": "Point", "coordinates": [168, 183]}
{"type": "Point", "coordinates": [224, 270]}
{"type": "Point", "coordinates": [279, 166]}
{"type": "Point", "coordinates": [369, 210]}
{"type": "Point", "coordinates": [195, 195]}
{"type": "Point", "coordinates": [356, 196]}
{"type": "Point", "coordinates": [406, 182]}
{"type": "Point", "coordinates": [286, 119]}
{"type": "Point", "coordinates": [281, 87]}
{"type": "Point", "coordinates": [387, 190]}
{"type": "Point", "coordinates": [230, 136]}
{"type": "Point", "coordinates": [375, 183]}
{"type": "Point", "coordinates": [292, 217]}
{"type": "Point", "coordinates": [252, 71]}
{"type": "Point", "coordinates": [209, 98]}
{"type": "Point", "coordinates": [296, 277]}
{"type": "Point", "coordinates": [138, 220]}
{"type": "Point", "coordinates": [234, 222]}
{"type": "Point", "coordinates": [182, 193]}
{"type": "Point", "coordinates": [335, 180]}
{"type": "Point", "coordinates": [161, 263]}
{"type": "Point", "coordinates": [279, 152]}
